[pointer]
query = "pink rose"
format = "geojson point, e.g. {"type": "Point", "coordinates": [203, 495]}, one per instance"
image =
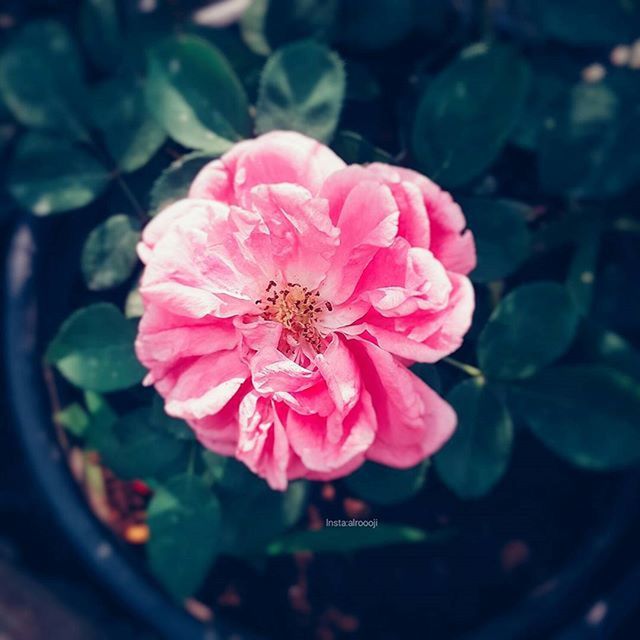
{"type": "Point", "coordinates": [285, 298]}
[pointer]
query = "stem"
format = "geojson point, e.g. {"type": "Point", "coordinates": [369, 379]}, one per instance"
{"type": "Point", "coordinates": [131, 197]}
{"type": "Point", "coordinates": [467, 368]}
{"type": "Point", "coordinates": [117, 175]}
{"type": "Point", "coordinates": [192, 460]}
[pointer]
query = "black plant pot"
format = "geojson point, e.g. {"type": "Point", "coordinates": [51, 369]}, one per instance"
{"type": "Point", "coordinates": [38, 294]}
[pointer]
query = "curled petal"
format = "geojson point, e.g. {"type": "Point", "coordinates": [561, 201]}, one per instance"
{"type": "Point", "coordinates": [423, 336]}
{"type": "Point", "coordinates": [448, 239]}
{"type": "Point", "coordinates": [272, 373]}
{"type": "Point", "coordinates": [413, 420]}
{"type": "Point", "coordinates": [262, 441]}
{"type": "Point", "coordinates": [328, 444]}
{"type": "Point", "coordinates": [200, 387]}
{"type": "Point", "coordinates": [219, 432]}
{"type": "Point", "coordinates": [340, 372]}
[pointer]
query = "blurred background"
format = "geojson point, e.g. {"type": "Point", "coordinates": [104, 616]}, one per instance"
{"type": "Point", "coordinates": [46, 591]}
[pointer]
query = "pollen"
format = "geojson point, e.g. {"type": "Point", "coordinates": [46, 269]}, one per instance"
{"type": "Point", "coordinates": [296, 308]}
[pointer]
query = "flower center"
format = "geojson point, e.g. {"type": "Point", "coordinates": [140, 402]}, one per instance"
{"type": "Point", "coordinates": [296, 308]}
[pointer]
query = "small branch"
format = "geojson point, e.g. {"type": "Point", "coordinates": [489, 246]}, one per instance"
{"type": "Point", "coordinates": [117, 176]}
{"type": "Point", "coordinates": [131, 197]}
{"type": "Point", "coordinates": [467, 368]}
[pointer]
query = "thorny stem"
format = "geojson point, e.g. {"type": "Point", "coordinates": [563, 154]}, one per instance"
{"type": "Point", "coordinates": [467, 368]}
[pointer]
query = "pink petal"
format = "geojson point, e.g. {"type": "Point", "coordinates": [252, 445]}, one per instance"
{"type": "Point", "coordinates": [368, 221]}
{"type": "Point", "coordinates": [166, 219]}
{"type": "Point", "coordinates": [164, 338]}
{"type": "Point", "coordinates": [340, 372]}
{"type": "Point", "coordinates": [423, 336]}
{"type": "Point", "coordinates": [256, 333]}
{"type": "Point", "coordinates": [328, 444]}
{"type": "Point", "coordinates": [219, 432]}
{"type": "Point", "coordinates": [209, 260]}
{"type": "Point", "coordinates": [202, 386]}
{"type": "Point", "coordinates": [413, 420]}
{"type": "Point", "coordinates": [273, 373]}
{"type": "Point", "coordinates": [262, 441]}
{"type": "Point", "coordinates": [215, 181]}
{"type": "Point", "coordinates": [275, 157]}
{"type": "Point", "coordinates": [303, 240]}
{"type": "Point", "coordinates": [402, 279]}
{"type": "Point", "coordinates": [448, 241]}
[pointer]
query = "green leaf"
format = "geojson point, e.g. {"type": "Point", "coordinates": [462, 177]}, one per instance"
{"type": "Point", "coordinates": [530, 328]}
{"type": "Point", "coordinates": [302, 89]}
{"type": "Point", "coordinates": [252, 513]}
{"type": "Point", "coordinates": [174, 182]}
{"type": "Point", "coordinates": [342, 539]}
{"type": "Point", "coordinates": [253, 27]}
{"type": "Point", "coordinates": [503, 241]}
{"type": "Point", "coordinates": [101, 32]}
{"type": "Point", "coordinates": [99, 408]}
{"type": "Point", "coordinates": [477, 454]}
{"type": "Point", "coordinates": [268, 24]}
{"type": "Point", "coordinates": [109, 253]}
{"type": "Point", "coordinates": [195, 95]}
{"type": "Point", "coordinates": [99, 434]}
{"type": "Point", "coordinates": [606, 347]}
{"type": "Point", "coordinates": [582, 270]}
{"type": "Point", "coordinates": [466, 114]}
{"type": "Point", "coordinates": [590, 147]}
{"type": "Point", "coordinates": [552, 75]}
{"type": "Point", "coordinates": [93, 349]}
{"type": "Point", "coordinates": [184, 520]}
{"type": "Point", "coordinates": [41, 79]}
{"type": "Point", "coordinates": [131, 134]}
{"type": "Point", "coordinates": [586, 414]}
{"type": "Point", "coordinates": [49, 175]}
{"type": "Point", "coordinates": [384, 485]}
{"type": "Point", "coordinates": [589, 22]}
{"type": "Point", "coordinates": [143, 449]}
{"type": "Point", "coordinates": [354, 149]}
{"type": "Point", "coordinates": [74, 419]}
{"type": "Point", "coordinates": [133, 306]}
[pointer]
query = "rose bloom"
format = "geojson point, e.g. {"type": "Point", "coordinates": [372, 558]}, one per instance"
{"type": "Point", "coordinates": [284, 299]}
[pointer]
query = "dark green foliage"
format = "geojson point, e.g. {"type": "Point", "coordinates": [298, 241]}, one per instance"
{"type": "Point", "coordinates": [119, 110]}
{"type": "Point", "coordinates": [530, 328]}
{"type": "Point", "coordinates": [302, 88]}
{"type": "Point", "coordinates": [383, 485]}
{"type": "Point", "coordinates": [467, 112]}
{"type": "Point", "coordinates": [94, 349]}
{"type": "Point", "coordinates": [477, 455]}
